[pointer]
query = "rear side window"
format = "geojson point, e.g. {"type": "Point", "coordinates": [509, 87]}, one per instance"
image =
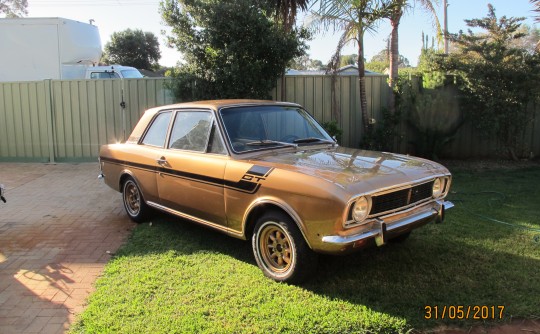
{"type": "Point", "coordinates": [157, 133]}
{"type": "Point", "coordinates": [191, 131]}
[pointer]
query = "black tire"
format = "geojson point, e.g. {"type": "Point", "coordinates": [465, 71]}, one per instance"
{"type": "Point", "coordinates": [400, 238]}
{"type": "Point", "coordinates": [133, 200]}
{"type": "Point", "coordinates": [280, 249]}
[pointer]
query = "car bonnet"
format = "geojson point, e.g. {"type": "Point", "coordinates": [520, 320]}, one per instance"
{"type": "Point", "coordinates": [356, 171]}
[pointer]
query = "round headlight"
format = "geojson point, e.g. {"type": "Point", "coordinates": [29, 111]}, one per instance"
{"type": "Point", "coordinates": [437, 187]}
{"type": "Point", "coordinates": [361, 209]}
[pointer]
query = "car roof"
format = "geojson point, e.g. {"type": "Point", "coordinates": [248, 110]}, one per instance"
{"type": "Point", "coordinates": [217, 104]}
{"type": "Point", "coordinates": [209, 104]}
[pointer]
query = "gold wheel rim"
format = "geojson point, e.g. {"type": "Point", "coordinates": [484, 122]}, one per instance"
{"type": "Point", "coordinates": [132, 198]}
{"type": "Point", "coordinates": [276, 249]}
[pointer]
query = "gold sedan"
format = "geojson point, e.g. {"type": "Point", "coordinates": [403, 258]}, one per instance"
{"type": "Point", "coordinates": [268, 171]}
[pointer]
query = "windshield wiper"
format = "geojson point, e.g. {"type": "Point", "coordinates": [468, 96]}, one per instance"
{"type": "Point", "coordinates": [313, 140]}
{"type": "Point", "coordinates": [268, 142]}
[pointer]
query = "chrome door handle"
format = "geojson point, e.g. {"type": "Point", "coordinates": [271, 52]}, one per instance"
{"type": "Point", "coordinates": [162, 161]}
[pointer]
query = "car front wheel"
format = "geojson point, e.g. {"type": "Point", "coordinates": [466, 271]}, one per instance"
{"type": "Point", "coordinates": [280, 249]}
{"type": "Point", "coordinates": [134, 203]}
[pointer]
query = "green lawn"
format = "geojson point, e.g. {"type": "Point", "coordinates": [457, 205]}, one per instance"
{"type": "Point", "coordinates": [177, 277]}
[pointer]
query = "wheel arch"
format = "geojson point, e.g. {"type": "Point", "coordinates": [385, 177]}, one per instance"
{"type": "Point", "coordinates": [263, 205]}
{"type": "Point", "coordinates": [123, 177]}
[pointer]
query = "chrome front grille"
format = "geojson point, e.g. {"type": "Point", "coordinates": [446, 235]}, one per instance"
{"type": "Point", "coordinates": [401, 198]}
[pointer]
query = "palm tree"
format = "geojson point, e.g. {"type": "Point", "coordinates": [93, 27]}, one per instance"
{"type": "Point", "coordinates": [353, 18]}
{"type": "Point", "coordinates": [286, 10]}
{"type": "Point", "coordinates": [395, 17]}
{"type": "Point", "coordinates": [536, 4]}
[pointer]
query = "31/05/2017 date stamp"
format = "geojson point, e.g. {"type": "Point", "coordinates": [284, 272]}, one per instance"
{"type": "Point", "coordinates": [462, 312]}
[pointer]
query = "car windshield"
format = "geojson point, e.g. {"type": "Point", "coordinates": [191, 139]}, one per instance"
{"type": "Point", "coordinates": [267, 127]}
{"type": "Point", "coordinates": [128, 74]}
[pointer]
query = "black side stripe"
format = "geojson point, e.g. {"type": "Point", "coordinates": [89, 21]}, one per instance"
{"type": "Point", "coordinates": [241, 185]}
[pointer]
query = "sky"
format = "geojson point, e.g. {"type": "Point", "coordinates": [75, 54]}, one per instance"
{"type": "Point", "coordinates": [117, 15]}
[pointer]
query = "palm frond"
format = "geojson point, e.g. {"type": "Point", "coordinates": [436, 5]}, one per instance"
{"type": "Point", "coordinates": [429, 6]}
{"type": "Point", "coordinates": [333, 65]}
{"type": "Point", "coordinates": [320, 22]}
{"type": "Point", "coordinates": [536, 4]}
{"type": "Point", "coordinates": [337, 8]}
{"type": "Point", "coordinates": [286, 10]}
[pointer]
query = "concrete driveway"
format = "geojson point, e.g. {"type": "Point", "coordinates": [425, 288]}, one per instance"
{"type": "Point", "coordinates": [58, 229]}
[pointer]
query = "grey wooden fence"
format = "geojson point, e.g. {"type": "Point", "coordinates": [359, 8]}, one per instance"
{"type": "Point", "coordinates": [56, 120]}
{"type": "Point", "coordinates": [67, 120]}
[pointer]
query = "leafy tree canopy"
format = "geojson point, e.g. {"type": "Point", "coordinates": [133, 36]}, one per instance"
{"type": "Point", "coordinates": [530, 40]}
{"type": "Point", "coordinates": [377, 66]}
{"type": "Point", "coordinates": [351, 59]}
{"type": "Point", "coordinates": [499, 78]}
{"type": "Point", "coordinates": [384, 56]}
{"type": "Point", "coordinates": [305, 63]}
{"type": "Point", "coordinates": [231, 48]}
{"type": "Point", "coordinates": [133, 48]}
{"type": "Point", "coordinates": [13, 8]}
{"type": "Point", "coordinates": [381, 62]}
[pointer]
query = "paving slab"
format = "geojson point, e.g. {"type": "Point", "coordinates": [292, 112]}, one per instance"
{"type": "Point", "coordinates": [57, 230]}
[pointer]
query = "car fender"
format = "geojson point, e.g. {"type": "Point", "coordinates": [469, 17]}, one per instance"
{"type": "Point", "coordinates": [282, 205]}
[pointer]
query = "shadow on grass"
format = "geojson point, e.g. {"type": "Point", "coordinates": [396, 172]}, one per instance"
{"type": "Point", "coordinates": [434, 267]}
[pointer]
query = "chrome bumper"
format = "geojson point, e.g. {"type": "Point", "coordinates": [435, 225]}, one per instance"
{"type": "Point", "coordinates": [381, 232]}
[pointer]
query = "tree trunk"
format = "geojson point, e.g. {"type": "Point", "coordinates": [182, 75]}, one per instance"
{"type": "Point", "coordinates": [283, 88]}
{"type": "Point", "coordinates": [362, 84]}
{"type": "Point", "coordinates": [394, 60]}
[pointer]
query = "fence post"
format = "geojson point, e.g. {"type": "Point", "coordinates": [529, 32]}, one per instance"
{"type": "Point", "coordinates": [50, 118]}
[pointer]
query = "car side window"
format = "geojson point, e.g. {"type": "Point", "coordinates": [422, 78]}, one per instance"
{"type": "Point", "coordinates": [216, 142]}
{"type": "Point", "coordinates": [104, 75]}
{"type": "Point", "coordinates": [191, 131]}
{"type": "Point", "coordinates": [156, 134]}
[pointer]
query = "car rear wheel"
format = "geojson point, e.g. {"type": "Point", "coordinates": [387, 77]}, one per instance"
{"type": "Point", "coordinates": [134, 203]}
{"type": "Point", "coordinates": [280, 249]}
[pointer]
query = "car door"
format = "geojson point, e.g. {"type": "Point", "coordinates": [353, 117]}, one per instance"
{"type": "Point", "coordinates": [142, 157]}
{"type": "Point", "coordinates": [192, 166]}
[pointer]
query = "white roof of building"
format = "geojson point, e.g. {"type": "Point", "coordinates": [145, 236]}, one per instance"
{"type": "Point", "coordinates": [345, 70]}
